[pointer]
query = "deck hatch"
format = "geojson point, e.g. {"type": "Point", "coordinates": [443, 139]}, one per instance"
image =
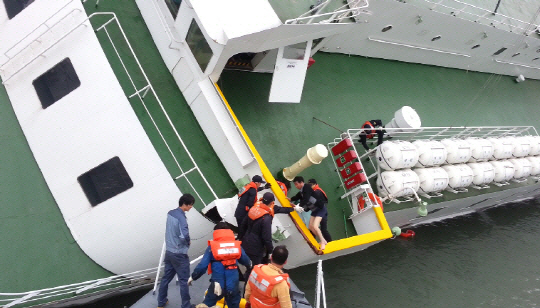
{"type": "Point", "coordinates": [105, 181]}
{"type": "Point", "coordinates": [56, 83]}
{"type": "Point", "coordinates": [14, 7]}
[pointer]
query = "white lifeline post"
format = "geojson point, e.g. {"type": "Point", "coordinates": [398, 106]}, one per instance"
{"type": "Point", "coordinates": [320, 286]}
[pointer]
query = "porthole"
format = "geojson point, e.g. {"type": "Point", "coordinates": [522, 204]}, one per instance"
{"type": "Point", "coordinates": [438, 37]}
{"type": "Point", "coordinates": [14, 7]}
{"type": "Point", "coordinates": [535, 59]}
{"type": "Point", "coordinates": [387, 28]}
{"type": "Point", "coordinates": [538, 50]}
{"type": "Point", "coordinates": [516, 54]}
{"type": "Point", "coordinates": [475, 46]}
{"type": "Point", "coordinates": [498, 52]}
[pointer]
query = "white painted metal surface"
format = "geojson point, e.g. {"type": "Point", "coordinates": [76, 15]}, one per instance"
{"type": "Point", "coordinates": [290, 73]}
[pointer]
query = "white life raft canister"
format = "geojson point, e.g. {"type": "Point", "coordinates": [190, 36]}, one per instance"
{"type": "Point", "coordinates": [392, 155]}
{"type": "Point", "coordinates": [502, 147]}
{"type": "Point", "coordinates": [430, 153]}
{"type": "Point", "coordinates": [459, 151]}
{"type": "Point", "coordinates": [535, 164]}
{"type": "Point", "coordinates": [406, 117]}
{"type": "Point", "coordinates": [432, 179]}
{"type": "Point", "coordinates": [483, 173]}
{"type": "Point", "coordinates": [459, 175]}
{"type": "Point", "coordinates": [535, 145]}
{"type": "Point", "coordinates": [398, 183]}
{"type": "Point", "coordinates": [522, 167]}
{"type": "Point", "coordinates": [504, 170]}
{"type": "Point", "coordinates": [481, 149]}
{"type": "Point", "coordinates": [522, 146]}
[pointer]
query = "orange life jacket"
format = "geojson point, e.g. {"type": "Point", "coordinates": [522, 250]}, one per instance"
{"type": "Point", "coordinates": [225, 249]}
{"type": "Point", "coordinates": [283, 187]}
{"type": "Point", "coordinates": [260, 209]}
{"type": "Point", "coordinates": [261, 286]}
{"type": "Point", "coordinates": [245, 189]}
{"type": "Point", "coordinates": [316, 187]}
{"type": "Point", "coordinates": [370, 133]}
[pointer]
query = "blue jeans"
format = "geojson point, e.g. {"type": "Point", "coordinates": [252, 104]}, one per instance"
{"type": "Point", "coordinates": [232, 298]}
{"type": "Point", "coordinates": [175, 264]}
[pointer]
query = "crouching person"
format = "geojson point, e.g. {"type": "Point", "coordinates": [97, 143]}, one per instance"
{"type": "Point", "coordinates": [268, 286]}
{"type": "Point", "coordinates": [220, 258]}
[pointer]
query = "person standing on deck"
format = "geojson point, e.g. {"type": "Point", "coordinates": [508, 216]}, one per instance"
{"type": "Point", "coordinates": [221, 259]}
{"type": "Point", "coordinates": [247, 198]}
{"type": "Point", "coordinates": [320, 194]}
{"type": "Point", "coordinates": [177, 242]}
{"type": "Point", "coordinates": [268, 286]}
{"type": "Point", "coordinates": [315, 201]}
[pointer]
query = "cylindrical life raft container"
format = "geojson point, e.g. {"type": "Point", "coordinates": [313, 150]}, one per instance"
{"type": "Point", "coordinates": [398, 183]}
{"type": "Point", "coordinates": [430, 153]}
{"type": "Point", "coordinates": [459, 176]}
{"type": "Point", "coordinates": [504, 170]}
{"type": "Point", "coordinates": [522, 167]}
{"type": "Point", "coordinates": [481, 149]}
{"type": "Point", "coordinates": [392, 155]}
{"type": "Point", "coordinates": [459, 151]}
{"type": "Point", "coordinates": [502, 147]}
{"type": "Point", "coordinates": [483, 173]}
{"type": "Point", "coordinates": [432, 179]}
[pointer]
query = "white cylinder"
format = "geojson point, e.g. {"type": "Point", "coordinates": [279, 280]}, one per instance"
{"type": "Point", "coordinates": [430, 153]}
{"type": "Point", "coordinates": [502, 147]}
{"type": "Point", "coordinates": [406, 117]}
{"type": "Point", "coordinates": [459, 151]}
{"type": "Point", "coordinates": [522, 167]}
{"type": "Point", "coordinates": [392, 155]}
{"type": "Point", "coordinates": [483, 173]}
{"type": "Point", "coordinates": [504, 170]}
{"type": "Point", "coordinates": [314, 155]}
{"type": "Point", "coordinates": [432, 179]}
{"type": "Point", "coordinates": [481, 149]}
{"type": "Point", "coordinates": [398, 183]}
{"type": "Point", "coordinates": [459, 175]}
{"type": "Point", "coordinates": [522, 146]}
{"type": "Point", "coordinates": [535, 145]}
{"type": "Point", "coordinates": [535, 164]}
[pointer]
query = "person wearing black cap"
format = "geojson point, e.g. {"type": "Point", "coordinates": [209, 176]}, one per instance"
{"type": "Point", "coordinates": [247, 198]}
{"type": "Point", "coordinates": [256, 228]}
{"type": "Point", "coordinates": [316, 202]}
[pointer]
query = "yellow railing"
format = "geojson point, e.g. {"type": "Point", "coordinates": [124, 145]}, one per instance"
{"type": "Point", "coordinates": [333, 246]}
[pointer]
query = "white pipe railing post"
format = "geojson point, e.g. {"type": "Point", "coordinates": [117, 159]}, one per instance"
{"type": "Point", "coordinates": [161, 258]}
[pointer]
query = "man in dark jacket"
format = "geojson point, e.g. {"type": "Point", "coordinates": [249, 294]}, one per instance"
{"type": "Point", "coordinates": [256, 228]}
{"type": "Point", "coordinates": [223, 255]}
{"type": "Point", "coordinates": [247, 198]}
{"type": "Point", "coordinates": [316, 202]}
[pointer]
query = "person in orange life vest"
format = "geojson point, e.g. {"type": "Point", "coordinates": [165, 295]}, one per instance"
{"type": "Point", "coordinates": [221, 259]}
{"type": "Point", "coordinates": [256, 229]}
{"type": "Point", "coordinates": [247, 198]}
{"type": "Point", "coordinates": [268, 286]}
{"type": "Point", "coordinates": [370, 133]}
{"type": "Point", "coordinates": [285, 186]}
{"type": "Point", "coordinates": [314, 201]}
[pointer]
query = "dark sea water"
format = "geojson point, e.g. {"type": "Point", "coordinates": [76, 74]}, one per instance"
{"type": "Point", "coordinates": [485, 259]}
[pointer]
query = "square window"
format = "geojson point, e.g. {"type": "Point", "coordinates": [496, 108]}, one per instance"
{"type": "Point", "coordinates": [14, 7]}
{"type": "Point", "coordinates": [56, 83]}
{"type": "Point", "coordinates": [105, 181]}
{"type": "Point", "coordinates": [198, 45]}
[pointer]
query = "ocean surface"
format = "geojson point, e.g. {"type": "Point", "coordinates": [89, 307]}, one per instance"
{"type": "Point", "coordinates": [486, 259]}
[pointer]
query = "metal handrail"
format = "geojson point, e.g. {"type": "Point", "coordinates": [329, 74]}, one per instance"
{"type": "Point", "coordinates": [149, 88]}
{"type": "Point", "coordinates": [341, 11]}
{"type": "Point", "coordinates": [44, 23]}
{"type": "Point", "coordinates": [486, 14]}
{"type": "Point", "coordinates": [165, 25]}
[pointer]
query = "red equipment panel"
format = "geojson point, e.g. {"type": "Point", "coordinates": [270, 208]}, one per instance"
{"type": "Point", "coordinates": [352, 169]}
{"type": "Point", "coordinates": [359, 178]}
{"type": "Point", "coordinates": [342, 146]}
{"type": "Point", "coordinates": [346, 158]}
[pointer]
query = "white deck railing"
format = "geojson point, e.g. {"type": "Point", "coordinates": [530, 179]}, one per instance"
{"type": "Point", "coordinates": [478, 14]}
{"type": "Point", "coordinates": [317, 14]}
